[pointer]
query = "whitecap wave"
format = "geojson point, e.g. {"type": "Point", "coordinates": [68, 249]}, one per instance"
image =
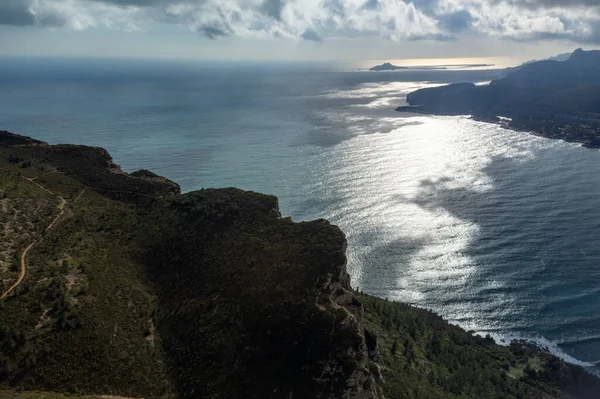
{"type": "Point", "coordinates": [543, 343]}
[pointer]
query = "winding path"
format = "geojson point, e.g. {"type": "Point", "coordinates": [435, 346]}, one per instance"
{"type": "Point", "coordinates": [61, 206]}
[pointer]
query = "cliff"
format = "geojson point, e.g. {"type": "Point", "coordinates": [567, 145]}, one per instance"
{"type": "Point", "coordinates": [269, 299]}
{"type": "Point", "coordinates": [551, 98]}
{"type": "Point", "coordinates": [131, 288]}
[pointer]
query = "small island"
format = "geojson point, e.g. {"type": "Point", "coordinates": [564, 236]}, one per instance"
{"type": "Point", "coordinates": [386, 67]}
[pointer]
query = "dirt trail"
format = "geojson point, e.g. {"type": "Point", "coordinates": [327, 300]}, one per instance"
{"type": "Point", "coordinates": [61, 206]}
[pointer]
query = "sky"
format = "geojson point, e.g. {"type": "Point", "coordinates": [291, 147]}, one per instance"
{"type": "Point", "coordinates": [298, 29]}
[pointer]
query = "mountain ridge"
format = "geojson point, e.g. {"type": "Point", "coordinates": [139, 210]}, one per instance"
{"type": "Point", "coordinates": [554, 99]}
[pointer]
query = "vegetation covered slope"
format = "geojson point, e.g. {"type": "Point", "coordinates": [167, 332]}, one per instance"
{"type": "Point", "coordinates": [555, 99]}
{"type": "Point", "coordinates": [422, 356]}
{"type": "Point", "coordinates": [142, 292]}
{"type": "Point", "coordinates": [80, 319]}
{"type": "Point", "coordinates": [262, 294]}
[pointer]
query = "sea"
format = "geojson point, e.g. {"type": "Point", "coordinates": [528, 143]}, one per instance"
{"type": "Point", "coordinates": [497, 231]}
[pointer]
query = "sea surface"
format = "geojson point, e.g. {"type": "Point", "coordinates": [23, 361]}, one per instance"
{"type": "Point", "coordinates": [497, 231]}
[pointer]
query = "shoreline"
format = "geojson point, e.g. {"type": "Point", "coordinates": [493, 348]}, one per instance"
{"type": "Point", "coordinates": [583, 134]}
{"type": "Point", "coordinates": [536, 342]}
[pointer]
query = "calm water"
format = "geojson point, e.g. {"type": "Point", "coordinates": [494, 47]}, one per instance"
{"type": "Point", "coordinates": [495, 230]}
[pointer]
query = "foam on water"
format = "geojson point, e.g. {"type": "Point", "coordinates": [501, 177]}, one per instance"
{"type": "Point", "coordinates": [545, 344]}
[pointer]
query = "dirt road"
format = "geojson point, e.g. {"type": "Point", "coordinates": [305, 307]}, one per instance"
{"type": "Point", "coordinates": [61, 206]}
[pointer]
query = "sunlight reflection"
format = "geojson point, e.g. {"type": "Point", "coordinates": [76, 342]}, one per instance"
{"type": "Point", "coordinates": [391, 181]}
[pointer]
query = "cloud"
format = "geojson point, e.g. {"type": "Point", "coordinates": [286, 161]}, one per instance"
{"type": "Point", "coordinates": [73, 14]}
{"type": "Point", "coordinates": [522, 23]}
{"type": "Point", "coordinates": [456, 21]}
{"type": "Point", "coordinates": [534, 4]}
{"type": "Point", "coordinates": [15, 12]}
{"type": "Point", "coordinates": [213, 32]}
{"type": "Point", "coordinates": [316, 20]}
{"type": "Point", "coordinates": [310, 34]}
{"type": "Point", "coordinates": [370, 5]}
{"type": "Point", "coordinates": [21, 13]}
{"type": "Point", "coordinates": [138, 3]}
{"type": "Point", "coordinates": [272, 8]}
{"type": "Point", "coordinates": [530, 20]}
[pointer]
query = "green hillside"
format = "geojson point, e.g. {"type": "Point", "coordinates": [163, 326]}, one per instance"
{"type": "Point", "coordinates": [140, 291]}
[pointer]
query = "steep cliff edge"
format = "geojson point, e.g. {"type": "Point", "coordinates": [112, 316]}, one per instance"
{"type": "Point", "coordinates": [268, 299]}
{"type": "Point", "coordinates": [141, 291]}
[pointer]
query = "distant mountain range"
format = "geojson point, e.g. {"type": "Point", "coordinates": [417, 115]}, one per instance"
{"type": "Point", "coordinates": [560, 58]}
{"type": "Point", "coordinates": [556, 99]}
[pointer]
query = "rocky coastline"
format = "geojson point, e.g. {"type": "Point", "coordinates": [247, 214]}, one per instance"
{"type": "Point", "coordinates": [552, 99]}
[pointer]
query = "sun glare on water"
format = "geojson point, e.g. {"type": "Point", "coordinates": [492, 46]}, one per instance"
{"type": "Point", "coordinates": [450, 63]}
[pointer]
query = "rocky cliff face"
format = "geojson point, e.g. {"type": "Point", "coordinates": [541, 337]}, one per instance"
{"type": "Point", "coordinates": [269, 298]}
